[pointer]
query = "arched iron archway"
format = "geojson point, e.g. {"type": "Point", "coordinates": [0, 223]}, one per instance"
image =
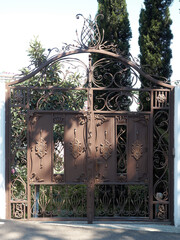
{"type": "Point", "coordinates": [117, 161]}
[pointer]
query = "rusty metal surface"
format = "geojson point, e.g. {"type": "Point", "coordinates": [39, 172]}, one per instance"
{"type": "Point", "coordinates": [100, 148]}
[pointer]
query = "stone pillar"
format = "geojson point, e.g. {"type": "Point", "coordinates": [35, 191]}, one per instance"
{"type": "Point", "coordinates": [177, 157]}
{"type": "Point", "coordinates": [2, 150]}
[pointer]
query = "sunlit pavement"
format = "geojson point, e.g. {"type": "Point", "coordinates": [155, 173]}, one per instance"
{"type": "Point", "coordinates": [24, 230]}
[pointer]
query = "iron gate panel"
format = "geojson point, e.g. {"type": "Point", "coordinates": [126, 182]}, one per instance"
{"type": "Point", "coordinates": [75, 149]}
{"type": "Point", "coordinates": [138, 142]}
{"type": "Point", "coordinates": [40, 148]}
{"type": "Point", "coordinates": [105, 149]}
{"type": "Point", "coordinates": [100, 158]}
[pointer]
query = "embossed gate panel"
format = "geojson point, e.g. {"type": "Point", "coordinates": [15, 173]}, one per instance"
{"type": "Point", "coordinates": [138, 142]}
{"type": "Point", "coordinates": [105, 149]}
{"type": "Point", "coordinates": [40, 148]}
{"type": "Point", "coordinates": [75, 153]}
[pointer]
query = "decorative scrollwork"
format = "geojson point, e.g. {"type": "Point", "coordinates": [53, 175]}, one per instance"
{"type": "Point", "coordinates": [18, 189]}
{"type": "Point", "coordinates": [41, 148]}
{"type": "Point", "coordinates": [76, 147]}
{"type": "Point", "coordinates": [121, 200]}
{"type": "Point", "coordinates": [160, 155]}
{"type": "Point", "coordinates": [18, 97]}
{"type": "Point", "coordinates": [58, 178]}
{"type": "Point", "coordinates": [90, 36]}
{"type": "Point", "coordinates": [59, 201]}
{"type": "Point", "coordinates": [106, 149]}
{"type": "Point", "coordinates": [59, 119]}
{"type": "Point", "coordinates": [161, 98]}
{"type": "Point", "coordinates": [35, 178]}
{"type": "Point", "coordinates": [161, 212]}
{"type": "Point", "coordinates": [18, 211]}
{"type": "Point", "coordinates": [111, 73]}
{"type": "Point", "coordinates": [119, 101]}
{"type": "Point", "coordinates": [101, 119]}
{"type": "Point", "coordinates": [121, 152]}
{"type": "Point", "coordinates": [137, 150]}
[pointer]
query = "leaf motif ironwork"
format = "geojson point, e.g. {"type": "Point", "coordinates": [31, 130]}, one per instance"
{"type": "Point", "coordinates": [106, 149]}
{"type": "Point", "coordinates": [41, 148]}
{"type": "Point", "coordinates": [137, 150]}
{"type": "Point", "coordinates": [75, 147]}
{"type": "Point", "coordinates": [161, 98]}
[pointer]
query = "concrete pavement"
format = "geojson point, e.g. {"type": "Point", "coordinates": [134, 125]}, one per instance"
{"type": "Point", "coordinates": [26, 230]}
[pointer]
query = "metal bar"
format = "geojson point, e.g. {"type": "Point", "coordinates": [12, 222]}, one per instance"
{"type": "Point", "coordinates": [47, 219]}
{"type": "Point", "coordinates": [48, 88]}
{"type": "Point", "coordinates": [150, 160]}
{"type": "Point", "coordinates": [7, 154]}
{"type": "Point", "coordinates": [171, 157]}
{"type": "Point", "coordinates": [119, 57]}
{"type": "Point", "coordinates": [90, 154]}
{"type": "Point", "coordinates": [28, 168]}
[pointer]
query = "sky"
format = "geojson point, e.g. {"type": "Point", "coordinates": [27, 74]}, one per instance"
{"type": "Point", "coordinates": [54, 22]}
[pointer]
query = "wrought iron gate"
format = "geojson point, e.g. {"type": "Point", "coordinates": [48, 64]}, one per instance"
{"type": "Point", "coordinates": [92, 148]}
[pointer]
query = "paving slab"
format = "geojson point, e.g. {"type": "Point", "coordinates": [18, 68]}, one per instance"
{"type": "Point", "coordinates": [26, 230]}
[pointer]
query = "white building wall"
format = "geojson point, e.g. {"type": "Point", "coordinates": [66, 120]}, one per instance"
{"type": "Point", "coordinates": [2, 150]}
{"type": "Point", "coordinates": [177, 158]}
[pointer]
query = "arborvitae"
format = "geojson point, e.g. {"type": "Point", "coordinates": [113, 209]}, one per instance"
{"type": "Point", "coordinates": [155, 37]}
{"type": "Point", "coordinates": [115, 23]}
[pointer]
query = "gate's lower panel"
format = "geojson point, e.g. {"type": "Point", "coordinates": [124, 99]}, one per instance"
{"type": "Point", "coordinates": [115, 201]}
{"type": "Point", "coordinates": [58, 201]}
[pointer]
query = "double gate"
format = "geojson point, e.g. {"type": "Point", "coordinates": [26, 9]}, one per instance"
{"type": "Point", "coordinates": [89, 142]}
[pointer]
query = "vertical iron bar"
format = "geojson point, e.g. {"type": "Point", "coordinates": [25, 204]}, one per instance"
{"type": "Point", "coordinates": [28, 168]}
{"type": "Point", "coordinates": [8, 154]}
{"type": "Point", "coordinates": [150, 160]}
{"type": "Point", "coordinates": [90, 150]}
{"type": "Point", "coordinates": [171, 156]}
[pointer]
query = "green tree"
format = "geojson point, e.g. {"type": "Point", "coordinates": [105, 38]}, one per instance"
{"type": "Point", "coordinates": [115, 24]}
{"type": "Point", "coordinates": [155, 37]}
{"type": "Point", "coordinates": [52, 75]}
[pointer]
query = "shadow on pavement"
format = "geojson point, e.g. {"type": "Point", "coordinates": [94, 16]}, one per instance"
{"type": "Point", "coordinates": [44, 231]}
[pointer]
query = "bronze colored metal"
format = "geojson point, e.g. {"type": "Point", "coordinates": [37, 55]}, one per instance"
{"type": "Point", "coordinates": [97, 149]}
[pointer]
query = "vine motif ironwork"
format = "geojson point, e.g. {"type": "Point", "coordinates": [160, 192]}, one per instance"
{"type": "Point", "coordinates": [59, 201]}
{"type": "Point", "coordinates": [161, 148]}
{"type": "Point", "coordinates": [122, 100]}
{"type": "Point", "coordinates": [120, 76]}
{"type": "Point", "coordinates": [121, 200]}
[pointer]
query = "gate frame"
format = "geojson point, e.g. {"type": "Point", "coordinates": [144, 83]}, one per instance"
{"type": "Point", "coordinates": [96, 50]}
